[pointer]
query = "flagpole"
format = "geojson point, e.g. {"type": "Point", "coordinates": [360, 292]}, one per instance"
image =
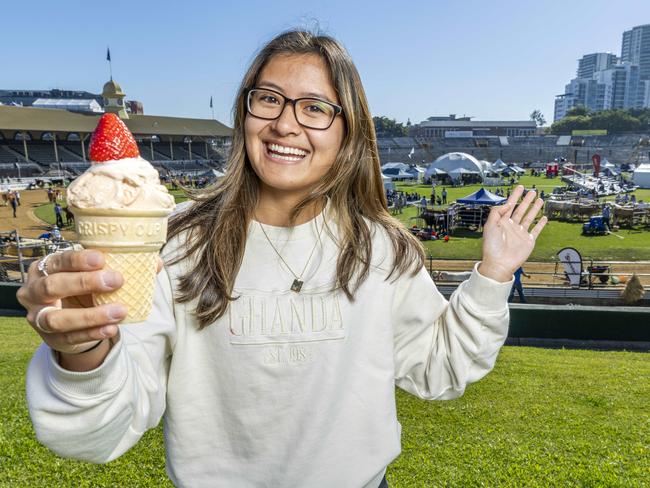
{"type": "Point", "coordinates": [212, 108]}
{"type": "Point", "coordinates": [110, 62]}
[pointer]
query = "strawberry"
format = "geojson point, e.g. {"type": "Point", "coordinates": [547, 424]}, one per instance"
{"type": "Point", "coordinates": [112, 140]}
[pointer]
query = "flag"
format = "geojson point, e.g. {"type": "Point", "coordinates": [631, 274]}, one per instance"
{"type": "Point", "coordinates": [412, 152]}
{"type": "Point", "coordinates": [210, 102]}
{"type": "Point", "coordinates": [108, 54]}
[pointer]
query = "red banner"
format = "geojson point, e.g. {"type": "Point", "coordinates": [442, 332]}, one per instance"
{"type": "Point", "coordinates": [596, 160]}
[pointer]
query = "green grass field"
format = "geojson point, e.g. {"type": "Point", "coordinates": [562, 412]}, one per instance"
{"type": "Point", "coordinates": [621, 246]}
{"type": "Point", "coordinates": [542, 418]}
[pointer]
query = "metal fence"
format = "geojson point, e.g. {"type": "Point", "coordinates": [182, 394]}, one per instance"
{"type": "Point", "coordinates": [593, 274]}
{"type": "Point", "coordinates": [16, 254]}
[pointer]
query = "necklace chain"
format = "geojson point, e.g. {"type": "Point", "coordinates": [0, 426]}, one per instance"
{"type": "Point", "coordinates": [297, 282]}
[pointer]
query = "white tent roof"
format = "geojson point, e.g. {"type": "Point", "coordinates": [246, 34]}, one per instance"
{"type": "Point", "coordinates": [451, 161]}
{"type": "Point", "coordinates": [606, 164]}
{"type": "Point", "coordinates": [73, 105]}
{"type": "Point", "coordinates": [487, 166]}
{"type": "Point", "coordinates": [463, 171]}
{"type": "Point", "coordinates": [641, 176]}
{"type": "Point", "coordinates": [402, 175]}
{"type": "Point", "coordinates": [499, 164]}
{"type": "Point", "coordinates": [400, 166]}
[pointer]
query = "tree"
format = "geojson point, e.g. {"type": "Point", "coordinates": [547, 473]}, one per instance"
{"type": "Point", "coordinates": [385, 127]}
{"type": "Point", "coordinates": [538, 117]}
{"type": "Point", "coordinates": [578, 110]}
{"type": "Point", "coordinates": [613, 121]}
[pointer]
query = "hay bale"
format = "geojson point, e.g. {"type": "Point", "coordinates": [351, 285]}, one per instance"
{"type": "Point", "coordinates": [633, 291]}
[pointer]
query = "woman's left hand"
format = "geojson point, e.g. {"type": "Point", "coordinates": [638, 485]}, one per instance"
{"type": "Point", "coordinates": [507, 242]}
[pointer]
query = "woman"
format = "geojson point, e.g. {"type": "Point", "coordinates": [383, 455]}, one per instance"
{"type": "Point", "coordinates": [289, 305]}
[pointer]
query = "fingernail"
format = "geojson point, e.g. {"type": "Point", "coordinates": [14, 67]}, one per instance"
{"type": "Point", "coordinates": [116, 311]}
{"type": "Point", "coordinates": [110, 279]}
{"type": "Point", "coordinates": [94, 259]}
{"type": "Point", "coordinates": [108, 330]}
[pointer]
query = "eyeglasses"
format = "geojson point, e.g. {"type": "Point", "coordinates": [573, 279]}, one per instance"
{"type": "Point", "coordinates": [312, 113]}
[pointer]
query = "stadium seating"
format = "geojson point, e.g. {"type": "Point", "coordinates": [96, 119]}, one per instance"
{"type": "Point", "coordinates": [42, 152]}
{"type": "Point", "coordinates": [70, 152]}
{"type": "Point", "coordinates": [27, 170]}
{"type": "Point", "coordinates": [7, 156]}
{"type": "Point", "coordinates": [17, 149]}
{"type": "Point", "coordinates": [177, 167]}
{"type": "Point", "coordinates": [520, 149]}
{"type": "Point", "coordinates": [42, 158]}
{"type": "Point", "coordinates": [75, 168]}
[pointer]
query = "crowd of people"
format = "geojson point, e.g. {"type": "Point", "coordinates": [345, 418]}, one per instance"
{"type": "Point", "coordinates": [397, 200]}
{"type": "Point", "coordinates": [185, 181]}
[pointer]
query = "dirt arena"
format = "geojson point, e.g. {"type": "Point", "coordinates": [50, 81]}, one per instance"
{"type": "Point", "coordinates": [26, 222]}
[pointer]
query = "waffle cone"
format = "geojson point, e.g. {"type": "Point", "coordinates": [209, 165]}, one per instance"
{"type": "Point", "coordinates": [130, 241]}
{"type": "Point", "coordinates": [139, 272]}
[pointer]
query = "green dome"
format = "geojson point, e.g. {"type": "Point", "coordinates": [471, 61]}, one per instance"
{"type": "Point", "coordinates": [112, 89]}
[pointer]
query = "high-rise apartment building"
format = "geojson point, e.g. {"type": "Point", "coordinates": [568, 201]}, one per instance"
{"type": "Point", "coordinates": [606, 82]}
{"type": "Point", "coordinates": [636, 49]}
{"type": "Point", "coordinates": [590, 63]}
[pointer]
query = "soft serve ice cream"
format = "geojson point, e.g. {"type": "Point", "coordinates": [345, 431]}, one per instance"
{"type": "Point", "coordinates": [118, 177]}
{"type": "Point", "coordinates": [121, 208]}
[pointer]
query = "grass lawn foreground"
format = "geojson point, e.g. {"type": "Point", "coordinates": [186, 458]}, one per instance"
{"type": "Point", "coordinates": [541, 418]}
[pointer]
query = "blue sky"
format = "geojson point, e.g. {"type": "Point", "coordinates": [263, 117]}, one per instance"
{"type": "Point", "coordinates": [497, 59]}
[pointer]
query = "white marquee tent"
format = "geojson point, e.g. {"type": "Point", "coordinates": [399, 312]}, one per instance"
{"type": "Point", "coordinates": [641, 176]}
{"type": "Point", "coordinates": [453, 161]}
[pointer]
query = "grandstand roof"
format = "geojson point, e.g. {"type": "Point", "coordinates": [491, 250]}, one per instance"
{"type": "Point", "coordinates": [52, 120]}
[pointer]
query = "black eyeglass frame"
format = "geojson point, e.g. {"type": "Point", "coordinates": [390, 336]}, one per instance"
{"type": "Point", "coordinates": [338, 110]}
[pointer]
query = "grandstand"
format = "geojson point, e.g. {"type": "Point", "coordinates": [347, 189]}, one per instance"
{"type": "Point", "coordinates": [618, 149]}
{"type": "Point", "coordinates": [37, 142]}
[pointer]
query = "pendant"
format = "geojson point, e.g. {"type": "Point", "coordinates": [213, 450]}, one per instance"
{"type": "Point", "coordinates": [297, 285]}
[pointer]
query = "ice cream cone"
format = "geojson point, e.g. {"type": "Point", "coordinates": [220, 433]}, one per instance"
{"type": "Point", "coordinates": [121, 208]}
{"type": "Point", "coordinates": [130, 240]}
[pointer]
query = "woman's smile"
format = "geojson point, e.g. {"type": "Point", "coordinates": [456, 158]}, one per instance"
{"type": "Point", "coordinates": [284, 154]}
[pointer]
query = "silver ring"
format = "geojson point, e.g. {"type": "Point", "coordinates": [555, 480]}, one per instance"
{"type": "Point", "coordinates": [42, 265]}
{"type": "Point", "coordinates": [37, 322]}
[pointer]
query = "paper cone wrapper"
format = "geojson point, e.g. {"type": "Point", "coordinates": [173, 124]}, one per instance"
{"type": "Point", "coordinates": [130, 240]}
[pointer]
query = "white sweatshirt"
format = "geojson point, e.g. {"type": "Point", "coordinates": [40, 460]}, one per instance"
{"type": "Point", "coordinates": [285, 390]}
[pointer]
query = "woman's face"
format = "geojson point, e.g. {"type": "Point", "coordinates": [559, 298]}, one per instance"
{"type": "Point", "coordinates": [288, 158]}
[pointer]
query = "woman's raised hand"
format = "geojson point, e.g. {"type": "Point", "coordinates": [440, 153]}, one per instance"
{"type": "Point", "coordinates": [508, 239]}
{"type": "Point", "coordinates": [59, 303]}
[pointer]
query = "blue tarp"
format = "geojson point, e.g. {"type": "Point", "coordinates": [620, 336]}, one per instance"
{"type": "Point", "coordinates": [482, 197]}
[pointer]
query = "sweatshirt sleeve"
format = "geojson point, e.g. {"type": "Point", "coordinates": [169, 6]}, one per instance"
{"type": "Point", "coordinates": [440, 347]}
{"type": "Point", "coordinates": [98, 415]}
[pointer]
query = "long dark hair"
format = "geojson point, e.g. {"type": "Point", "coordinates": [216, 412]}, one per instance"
{"type": "Point", "coordinates": [217, 221]}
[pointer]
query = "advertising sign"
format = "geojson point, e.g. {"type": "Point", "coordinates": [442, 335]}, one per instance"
{"type": "Point", "coordinates": [458, 133]}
